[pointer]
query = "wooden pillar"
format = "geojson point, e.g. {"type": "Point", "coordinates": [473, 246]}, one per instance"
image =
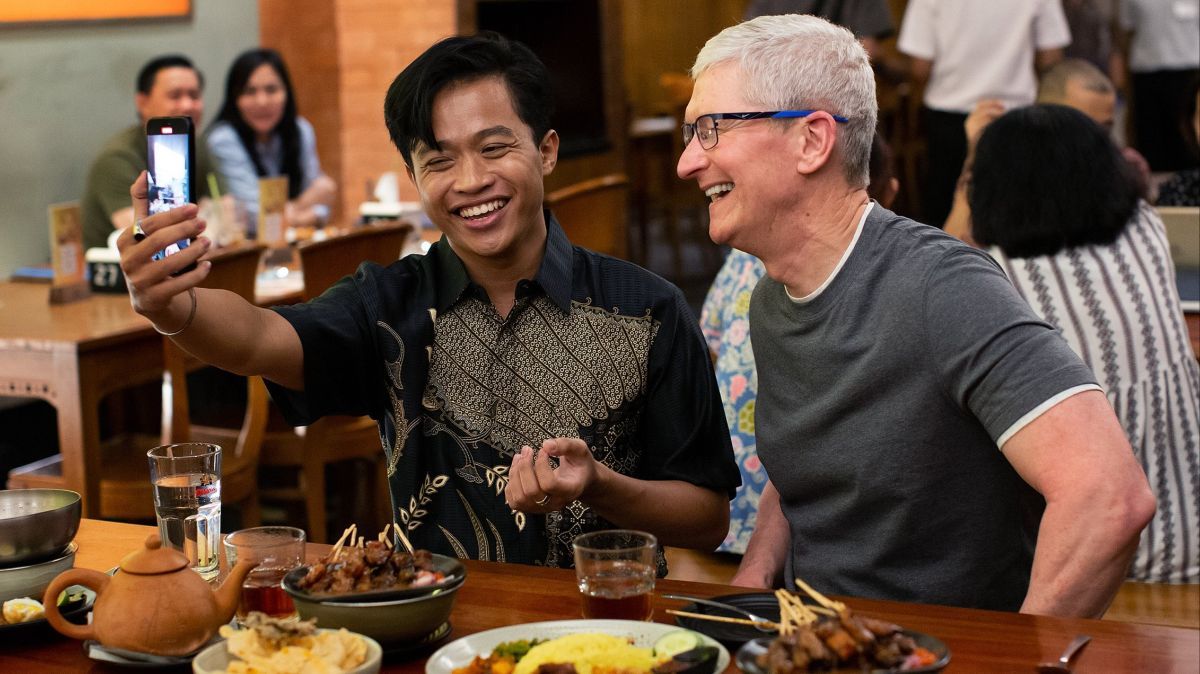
{"type": "Point", "coordinates": [343, 55]}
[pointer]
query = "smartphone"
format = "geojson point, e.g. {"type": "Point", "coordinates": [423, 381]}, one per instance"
{"type": "Point", "coordinates": [171, 168]}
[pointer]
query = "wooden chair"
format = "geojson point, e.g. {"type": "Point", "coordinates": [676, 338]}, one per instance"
{"type": "Point", "coordinates": [594, 213]}
{"type": "Point", "coordinates": [125, 491]}
{"type": "Point", "coordinates": [335, 438]}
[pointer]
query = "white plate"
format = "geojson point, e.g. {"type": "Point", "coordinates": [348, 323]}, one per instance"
{"type": "Point", "coordinates": [458, 653]}
{"type": "Point", "coordinates": [216, 658]}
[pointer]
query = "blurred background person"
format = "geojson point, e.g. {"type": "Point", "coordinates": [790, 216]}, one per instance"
{"type": "Point", "coordinates": [1055, 204]}
{"type": "Point", "coordinates": [725, 321]}
{"type": "Point", "coordinates": [260, 134]}
{"type": "Point", "coordinates": [1183, 188]}
{"type": "Point", "coordinates": [167, 86]}
{"type": "Point", "coordinates": [1072, 82]}
{"type": "Point", "coordinates": [1159, 44]}
{"type": "Point", "coordinates": [966, 51]}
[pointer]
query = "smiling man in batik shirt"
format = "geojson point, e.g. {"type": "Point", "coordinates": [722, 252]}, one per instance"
{"type": "Point", "coordinates": [526, 390]}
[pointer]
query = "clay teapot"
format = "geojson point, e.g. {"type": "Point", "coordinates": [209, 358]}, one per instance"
{"type": "Point", "coordinates": [156, 604]}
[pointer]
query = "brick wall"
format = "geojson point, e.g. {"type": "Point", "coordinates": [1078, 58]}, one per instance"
{"type": "Point", "coordinates": [343, 55]}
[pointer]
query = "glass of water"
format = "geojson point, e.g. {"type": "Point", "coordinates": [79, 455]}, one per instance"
{"type": "Point", "coordinates": [187, 501]}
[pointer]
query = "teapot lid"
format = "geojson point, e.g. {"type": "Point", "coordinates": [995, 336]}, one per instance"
{"type": "Point", "coordinates": [153, 559]}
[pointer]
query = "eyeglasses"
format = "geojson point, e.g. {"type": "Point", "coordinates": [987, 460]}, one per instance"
{"type": "Point", "coordinates": [705, 126]}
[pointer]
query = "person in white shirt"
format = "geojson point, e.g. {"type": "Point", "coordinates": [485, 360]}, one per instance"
{"type": "Point", "coordinates": [964, 51]}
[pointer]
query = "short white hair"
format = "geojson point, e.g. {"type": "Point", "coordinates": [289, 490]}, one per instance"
{"type": "Point", "coordinates": [794, 62]}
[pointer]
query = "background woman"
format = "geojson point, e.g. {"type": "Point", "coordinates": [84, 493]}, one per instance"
{"type": "Point", "coordinates": [258, 133]}
{"type": "Point", "coordinates": [1056, 205]}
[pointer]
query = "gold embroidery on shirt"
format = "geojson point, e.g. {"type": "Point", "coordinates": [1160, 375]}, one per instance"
{"type": "Point", "coordinates": [540, 374]}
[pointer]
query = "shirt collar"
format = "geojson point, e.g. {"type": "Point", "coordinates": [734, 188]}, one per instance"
{"type": "Point", "coordinates": [553, 276]}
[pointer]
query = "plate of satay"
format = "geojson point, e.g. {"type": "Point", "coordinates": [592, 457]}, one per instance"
{"type": "Point", "coordinates": [822, 637]}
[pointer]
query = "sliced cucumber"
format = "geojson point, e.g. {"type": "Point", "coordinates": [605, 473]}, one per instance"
{"type": "Point", "coordinates": [673, 643]}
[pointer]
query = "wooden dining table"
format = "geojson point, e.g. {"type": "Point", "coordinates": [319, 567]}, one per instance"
{"type": "Point", "coordinates": [73, 355]}
{"type": "Point", "coordinates": [497, 595]}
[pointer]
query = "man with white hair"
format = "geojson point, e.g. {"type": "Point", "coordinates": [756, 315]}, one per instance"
{"type": "Point", "coordinates": [914, 415]}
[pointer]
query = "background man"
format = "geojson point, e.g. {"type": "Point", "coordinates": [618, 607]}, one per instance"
{"type": "Point", "coordinates": [167, 86]}
{"type": "Point", "coordinates": [911, 406]}
{"type": "Point", "coordinates": [526, 391]}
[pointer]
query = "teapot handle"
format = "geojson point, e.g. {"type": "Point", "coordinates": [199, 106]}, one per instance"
{"type": "Point", "coordinates": [88, 578]}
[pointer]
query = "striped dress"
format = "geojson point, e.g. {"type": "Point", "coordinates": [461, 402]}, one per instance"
{"type": "Point", "coordinates": [1118, 307]}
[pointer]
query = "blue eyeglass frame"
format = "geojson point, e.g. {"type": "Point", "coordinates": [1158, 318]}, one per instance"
{"type": "Point", "coordinates": [689, 130]}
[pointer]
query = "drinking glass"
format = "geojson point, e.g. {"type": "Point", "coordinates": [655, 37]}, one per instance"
{"type": "Point", "coordinates": [277, 550]}
{"type": "Point", "coordinates": [187, 501]}
{"type": "Point", "coordinates": [616, 571]}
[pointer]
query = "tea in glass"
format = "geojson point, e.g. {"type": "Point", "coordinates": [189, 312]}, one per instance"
{"type": "Point", "coordinates": [277, 551]}
{"type": "Point", "coordinates": [616, 571]}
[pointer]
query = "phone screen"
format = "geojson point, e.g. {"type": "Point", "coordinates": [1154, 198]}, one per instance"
{"type": "Point", "coordinates": [170, 156]}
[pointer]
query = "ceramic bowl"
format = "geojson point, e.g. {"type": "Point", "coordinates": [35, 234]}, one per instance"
{"type": "Point", "coordinates": [216, 658]}
{"type": "Point", "coordinates": [32, 580]}
{"type": "Point", "coordinates": [36, 524]}
{"type": "Point", "coordinates": [393, 623]}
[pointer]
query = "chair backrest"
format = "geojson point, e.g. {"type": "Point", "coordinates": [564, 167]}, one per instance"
{"type": "Point", "coordinates": [595, 213]}
{"type": "Point", "coordinates": [326, 262]}
{"type": "Point", "coordinates": [233, 269]}
{"type": "Point", "coordinates": [1183, 233]}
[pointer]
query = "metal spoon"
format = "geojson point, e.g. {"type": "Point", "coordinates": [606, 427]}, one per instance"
{"type": "Point", "coordinates": [1063, 666]}
{"type": "Point", "coordinates": [728, 607]}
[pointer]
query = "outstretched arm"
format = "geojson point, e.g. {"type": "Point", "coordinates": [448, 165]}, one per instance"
{"type": "Point", "coordinates": [1097, 502]}
{"type": "Point", "coordinates": [678, 513]}
{"type": "Point", "coordinates": [225, 330]}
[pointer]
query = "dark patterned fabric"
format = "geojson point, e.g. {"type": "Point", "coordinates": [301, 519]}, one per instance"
{"type": "Point", "coordinates": [594, 348]}
{"type": "Point", "coordinates": [1118, 308]}
{"type": "Point", "coordinates": [1182, 189]}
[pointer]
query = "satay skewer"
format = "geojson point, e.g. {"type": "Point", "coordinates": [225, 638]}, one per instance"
{"type": "Point", "coordinates": [822, 599]}
{"type": "Point", "coordinates": [725, 619]}
{"type": "Point", "coordinates": [337, 547]}
{"type": "Point", "coordinates": [403, 539]}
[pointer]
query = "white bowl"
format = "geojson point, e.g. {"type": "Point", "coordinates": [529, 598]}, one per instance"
{"type": "Point", "coordinates": [216, 658]}
{"type": "Point", "coordinates": [32, 580]}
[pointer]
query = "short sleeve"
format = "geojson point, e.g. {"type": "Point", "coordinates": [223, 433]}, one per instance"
{"type": "Point", "coordinates": [1050, 30]}
{"type": "Point", "coordinates": [683, 427]}
{"type": "Point", "coordinates": [998, 359]}
{"type": "Point", "coordinates": [340, 373]}
{"type": "Point", "coordinates": [917, 31]}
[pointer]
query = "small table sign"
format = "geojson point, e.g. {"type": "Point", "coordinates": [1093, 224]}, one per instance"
{"type": "Point", "coordinates": [272, 203]}
{"type": "Point", "coordinates": [66, 253]}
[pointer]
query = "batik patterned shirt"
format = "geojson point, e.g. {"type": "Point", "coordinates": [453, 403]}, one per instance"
{"type": "Point", "coordinates": [594, 348]}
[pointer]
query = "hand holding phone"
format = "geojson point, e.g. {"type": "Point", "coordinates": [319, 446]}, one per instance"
{"type": "Point", "coordinates": [171, 169]}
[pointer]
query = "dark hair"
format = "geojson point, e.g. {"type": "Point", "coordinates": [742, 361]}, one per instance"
{"type": "Point", "coordinates": [408, 107]}
{"type": "Point", "coordinates": [149, 72]}
{"type": "Point", "coordinates": [289, 132]}
{"type": "Point", "coordinates": [1045, 178]}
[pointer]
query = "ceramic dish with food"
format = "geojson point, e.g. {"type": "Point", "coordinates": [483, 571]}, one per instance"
{"type": "Point", "coordinates": [828, 636]}
{"type": "Point", "coordinates": [581, 647]}
{"type": "Point", "coordinates": [32, 580]}
{"type": "Point", "coordinates": [271, 646]}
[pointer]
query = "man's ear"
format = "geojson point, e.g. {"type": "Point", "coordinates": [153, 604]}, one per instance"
{"type": "Point", "coordinates": [549, 151]}
{"type": "Point", "coordinates": [814, 141]}
{"type": "Point", "coordinates": [139, 102]}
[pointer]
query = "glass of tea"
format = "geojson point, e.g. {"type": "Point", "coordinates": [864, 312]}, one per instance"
{"type": "Point", "coordinates": [277, 550]}
{"type": "Point", "coordinates": [616, 571]}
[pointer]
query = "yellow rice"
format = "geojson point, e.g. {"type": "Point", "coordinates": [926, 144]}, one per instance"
{"type": "Point", "coordinates": [586, 651]}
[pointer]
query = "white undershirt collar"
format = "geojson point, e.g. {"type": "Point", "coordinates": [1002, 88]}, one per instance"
{"type": "Point", "coordinates": [845, 256]}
